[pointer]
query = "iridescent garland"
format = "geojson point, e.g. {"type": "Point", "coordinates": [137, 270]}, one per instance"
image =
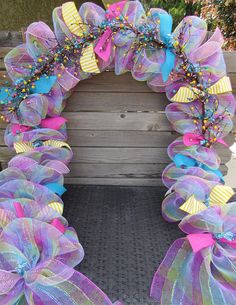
{"type": "Point", "coordinates": [39, 270]}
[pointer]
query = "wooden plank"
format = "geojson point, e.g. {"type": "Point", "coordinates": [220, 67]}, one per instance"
{"type": "Point", "coordinates": [122, 138]}
{"type": "Point", "coordinates": [117, 121]}
{"type": "Point", "coordinates": [108, 155]}
{"type": "Point", "coordinates": [2, 136]}
{"type": "Point", "coordinates": [6, 154]}
{"type": "Point", "coordinates": [116, 101]}
{"type": "Point", "coordinates": [116, 170]}
{"type": "Point", "coordinates": [117, 155]}
{"type": "Point", "coordinates": [114, 138]}
{"type": "Point", "coordinates": [11, 38]}
{"type": "Point", "coordinates": [230, 60]}
{"type": "Point", "coordinates": [114, 181]}
{"type": "Point", "coordinates": [2, 65]}
{"type": "Point", "coordinates": [4, 51]}
{"type": "Point", "coordinates": [148, 121]}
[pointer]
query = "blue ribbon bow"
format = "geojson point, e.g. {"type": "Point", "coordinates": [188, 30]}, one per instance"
{"type": "Point", "coordinates": [44, 84]}
{"type": "Point", "coordinates": [182, 161]}
{"type": "Point", "coordinates": [166, 37]}
{"type": "Point", "coordinates": [41, 86]}
{"type": "Point", "coordinates": [56, 188]}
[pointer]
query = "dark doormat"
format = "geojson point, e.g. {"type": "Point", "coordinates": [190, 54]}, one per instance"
{"type": "Point", "coordinates": [123, 235]}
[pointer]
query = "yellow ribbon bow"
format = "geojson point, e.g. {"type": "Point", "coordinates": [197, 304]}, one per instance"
{"type": "Point", "coordinates": [219, 195]}
{"type": "Point", "coordinates": [21, 147]}
{"type": "Point", "coordinates": [75, 24]}
{"type": "Point", "coordinates": [5, 218]}
{"type": "Point", "coordinates": [187, 94]}
{"type": "Point", "coordinates": [57, 206]}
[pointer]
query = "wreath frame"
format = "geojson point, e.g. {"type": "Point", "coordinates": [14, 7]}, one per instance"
{"type": "Point", "coordinates": [36, 130]}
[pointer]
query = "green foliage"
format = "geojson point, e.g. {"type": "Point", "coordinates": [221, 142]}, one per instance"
{"type": "Point", "coordinates": [177, 8]}
{"type": "Point", "coordinates": [227, 17]}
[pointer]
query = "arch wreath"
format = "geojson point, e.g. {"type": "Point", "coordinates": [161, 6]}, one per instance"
{"type": "Point", "coordinates": [38, 249]}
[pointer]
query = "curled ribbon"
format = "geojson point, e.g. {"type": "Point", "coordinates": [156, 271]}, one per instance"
{"type": "Point", "coordinates": [21, 147]}
{"type": "Point", "coordinates": [220, 194]}
{"type": "Point", "coordinates": [52, 123]}
{"type": "Point", "coordinates": [187, 94]}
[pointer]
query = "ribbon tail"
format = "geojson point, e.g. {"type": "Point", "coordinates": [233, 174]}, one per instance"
{"type": "Point", "coordinates": [103, 47]}
{"type": "Point", "coordinates": [73, 19]}
{"type": "Point", "coordinates": [215, 171]}
{"type": "Point", "coordinates": [8, 281]}
{"type": "Point", "coordinates": [200, 241]}
{"type": "Point", "coordinates": [15, 128]}
{"type": "Point", "coordinates": [182, 160]}
{"type": "Point", "coordinates": [19, 210]}
{"type": "Point", "coordinates": [5, 94]}
{"type": "Point", "coordinates": [168, 65]}
{"type": "Point", "coordinates": [115, 9]}
{"type": "Point", "coordinates": [221, 141]}
{"type": "Point", "coordinates": [68, 284]}
{"type": "Point", "coordinates": [53, 123]}
{"type": "Point", "coordinates": [220, 194]}
{"type": "Point", "coordinates": [56, 188]}
{"type": "Point", "coordinates": [57, 206]}
{"type": "Point", "coordinates": [165, 32]}
{"type": "Point", "coordinates": [88, 60]}
{"type": "Point", "coordinates": [193, 206]}
{"type": "Point", "coordinates": [190, 139]}
{"type": "Point", "coordinates": [44, 85]}
{"type": "Point", "coordinates": [57, 224]}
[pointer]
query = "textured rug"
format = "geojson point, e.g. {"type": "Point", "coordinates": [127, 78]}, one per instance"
{"type": "Point", "coordinates": [123, 235]}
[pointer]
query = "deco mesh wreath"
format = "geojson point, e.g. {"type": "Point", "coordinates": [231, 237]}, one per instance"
{"type": "Point", "coordinates": [38, 251]}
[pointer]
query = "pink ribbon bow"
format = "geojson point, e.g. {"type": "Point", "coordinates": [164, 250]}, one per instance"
{"type": "Point", "coordinates": [205, 240]}
{"type": "Point", "coordinates": [190, 139]}
{"type": "Point", "coordinates": [104, 45]}
{"type": "Point", "coordinates": [19, 210]}
{"type": "Point", "coordinates": [53, 123]}
{"type": "Point", "coordinates": [57, 224]}
{"type": "Point", "coordinates": [114, 10]}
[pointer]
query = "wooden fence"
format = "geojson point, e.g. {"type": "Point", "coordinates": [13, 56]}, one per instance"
{"type": "Point", "coordinates": [117, 128]}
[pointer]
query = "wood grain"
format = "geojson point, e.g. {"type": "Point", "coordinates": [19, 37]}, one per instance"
{"type": "Point", "coordinates": [115, 138]}
{"type": "Point", "coordinates": [114, 181]}
{"type": "Point", "coordinates": [116, 101]}
{"type": "Point", "coordinates": [117, 155]}
{"type": "Point", "coordinates": [117, 121]}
